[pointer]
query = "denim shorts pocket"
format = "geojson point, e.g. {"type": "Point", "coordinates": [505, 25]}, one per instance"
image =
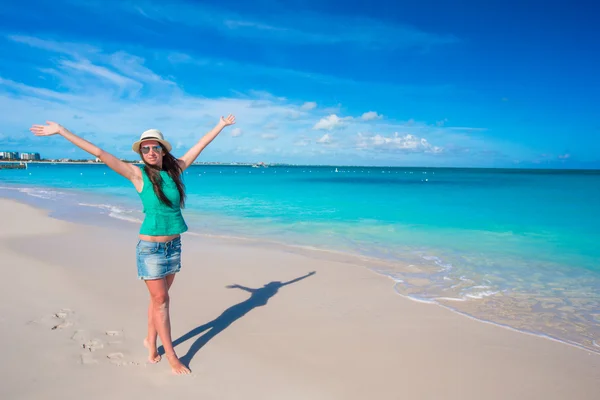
{"type": "Point", "coordinates": [147, 247]}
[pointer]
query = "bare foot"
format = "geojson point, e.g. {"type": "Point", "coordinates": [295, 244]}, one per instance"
{"type": "Point", "coordinates": [176, 365]}
{"type": "Point", "coordinates": [153, 356]}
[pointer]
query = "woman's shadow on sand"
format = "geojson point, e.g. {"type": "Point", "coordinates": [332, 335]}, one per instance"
{"type": "Point", "coordinates": [258, 298]}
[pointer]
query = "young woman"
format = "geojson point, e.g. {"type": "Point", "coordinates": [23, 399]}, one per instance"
{"type": "Point", "coordinates": [162, 192]}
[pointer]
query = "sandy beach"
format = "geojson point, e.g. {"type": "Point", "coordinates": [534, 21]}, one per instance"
{"type": "Point", "coordinates": [252, 323]}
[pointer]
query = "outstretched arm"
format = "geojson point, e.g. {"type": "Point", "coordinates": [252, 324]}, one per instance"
{"type": "Point", "coordinates": [193, 153]}
{"type": "Point", "coordinates": [241, 287]}
{"type": "Point", "coordinates": [125, 169]}
{"type": "Point", "coordinates": [298, 279]}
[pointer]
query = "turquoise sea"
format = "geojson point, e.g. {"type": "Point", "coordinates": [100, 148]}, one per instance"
{"type": "Point", "coordinates": [520, 248]}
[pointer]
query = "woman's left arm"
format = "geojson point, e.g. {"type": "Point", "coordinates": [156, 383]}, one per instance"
{"type": "Point", "coordinates": [193, 153]}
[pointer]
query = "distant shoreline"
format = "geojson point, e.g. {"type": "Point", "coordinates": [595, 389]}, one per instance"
{"type": "Point", "coordinates": [129, 162]}
{"type": "Point", "coordinates": [240, 164]}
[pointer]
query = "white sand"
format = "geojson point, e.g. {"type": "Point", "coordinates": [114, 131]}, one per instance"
{"type": "Point", "coordinates": [73, 316]}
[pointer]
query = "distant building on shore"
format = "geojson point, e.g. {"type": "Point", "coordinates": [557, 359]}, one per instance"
{"type": "Point", "coordinates": [15, 155]}
{"type": "Point", "coordinates": [9, 155]}
{"type": "Point", "coordinates": [30, 156]}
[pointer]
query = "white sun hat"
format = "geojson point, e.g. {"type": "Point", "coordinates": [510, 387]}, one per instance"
{"type": "Point", "coordinates": [151, 134]}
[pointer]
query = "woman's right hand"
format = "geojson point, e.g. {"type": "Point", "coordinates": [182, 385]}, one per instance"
{"type": "Point", "coordinates": [52, 128]}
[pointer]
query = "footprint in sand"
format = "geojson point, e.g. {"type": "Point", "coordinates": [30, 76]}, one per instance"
{"type": "Point", "coordinates": [115, 356]}
{"type": "Point", "coordinates": [62, 316]}
{"type": "Point", "coordinates": [51, 320]}
{"type": "Point", "coordinates": [118, 359]}
{"type": "Point", "coordinates": [92, 345]}
{"type": "Point", "coordinates": [62, 325]}
{"type": "Point", "coordinates": [79, 336]}
{"type": "Point", "coordinates": [114, 334]}
{"type": "Point", "coordinates": [63, 313]}
{"type": "Point", "coordinates": [93, 348]}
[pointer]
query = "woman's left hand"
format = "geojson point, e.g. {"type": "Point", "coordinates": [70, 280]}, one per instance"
{"type": "Point", "coordinates": [230, 120]}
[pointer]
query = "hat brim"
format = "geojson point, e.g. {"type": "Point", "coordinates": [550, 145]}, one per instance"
{"type": "Point", "coordinates": [136, 146]}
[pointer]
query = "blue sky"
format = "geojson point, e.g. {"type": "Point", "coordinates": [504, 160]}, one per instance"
{"type": "Point", "coordinates": [438, 83]}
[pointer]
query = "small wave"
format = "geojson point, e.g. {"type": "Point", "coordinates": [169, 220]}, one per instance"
{"type": "Point", "coordinates": [387, 275]}
{"type": "Point", "coordinates": [451, 299]}
{"type": "Point", "coordinates": [437, 301]}
{"type": "Point", "coordinates": [523, 331]}
{"type": "Point", "coordinates": [420, 299]}
{"type": "Point", "coordinates": [439, 262]}
{"type": "Point", "coordinates": [481, 295]}
{"type": "Point", "coordinates": [41, 193]}
{"type": "Point", "coordinates": [47, 194]}
{"type": "Point", "coordinates": [114, 212]}
{"type": "Point", "coordinates": [125, 218]}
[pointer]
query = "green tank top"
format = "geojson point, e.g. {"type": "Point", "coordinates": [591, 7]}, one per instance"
{"type": "Point", "coordinates": [160, 219]}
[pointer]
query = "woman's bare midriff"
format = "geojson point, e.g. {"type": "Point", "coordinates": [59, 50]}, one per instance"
{"type": "Point", "coordinates": [158, 239]}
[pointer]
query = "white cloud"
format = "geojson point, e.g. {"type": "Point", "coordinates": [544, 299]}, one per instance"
{"type": "Point", "coordinates": [38, 93]}
{"type": "Point", "coordinates": [80, 93]}
{"type": "Point", "coordinates": [288, 27]}
{"type": "Point", "coordinates": [83, 64]}
{"type": "Point", "coordinates": [90, 78]}
{"type": "Point", "coordinates": [442, 122]}
{"type": "Point", "coordinates": [465, 129]}
{"type": "Point", "coordinates": [396, 142]}
{"type": "Point", "coordinates": [118, 120]}
{"type": "Point", "coordinates": [294, 114]}
{"type": "Point", "coordinates": [370, 116]}
{"type": "Point", "coordinates": [331, 122]}
{"type": "Point", "coordinates": [232, 24]}
{"type": "Point", "coordinates": [133, 66]}
{"type": "Point", "coordinates": [325, 139]}
{"type": "Point", "coordinates": [309, 105]}
{"type": "Point", "coordinates": [269, 126]}
{"type": "Point", "coordinates": [235, 132]}
{"type": "Point", "coordinates": [564, 156]}
{"type": "Point", "coordinates": [100, 72]}
{"type": "Point", "coordinates": [264, 95]}
{"type": "Point", "coordinates": [302, 141]}
{"type": "Point", "coordinates": [73, 49]}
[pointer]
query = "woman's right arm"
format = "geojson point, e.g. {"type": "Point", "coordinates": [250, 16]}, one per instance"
{"type": "Point", "coordinates": [127, 170]}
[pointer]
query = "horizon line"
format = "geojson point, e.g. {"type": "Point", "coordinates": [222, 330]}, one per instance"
{"type": "Point", "coordinates": [245, 163]}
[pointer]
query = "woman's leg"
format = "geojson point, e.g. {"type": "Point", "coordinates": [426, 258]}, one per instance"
{"type": "Point", "coordinates": [159, 296]}
{"type": "Point", "coordinates": [150, 340]}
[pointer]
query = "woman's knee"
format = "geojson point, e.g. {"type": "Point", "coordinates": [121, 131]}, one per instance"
{"type": "Point", "coordinates": [160, 299]}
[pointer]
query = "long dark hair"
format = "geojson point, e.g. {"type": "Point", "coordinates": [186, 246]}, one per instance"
{"type": "Point", "coordinates": [171, 167]}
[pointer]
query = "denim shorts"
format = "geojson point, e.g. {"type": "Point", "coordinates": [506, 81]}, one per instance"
{"type": "Point", "coordinates": [155, 260]}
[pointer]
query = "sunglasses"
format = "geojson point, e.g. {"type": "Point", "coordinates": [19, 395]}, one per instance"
{"type": "Point", "coordinates": [146, 149]}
